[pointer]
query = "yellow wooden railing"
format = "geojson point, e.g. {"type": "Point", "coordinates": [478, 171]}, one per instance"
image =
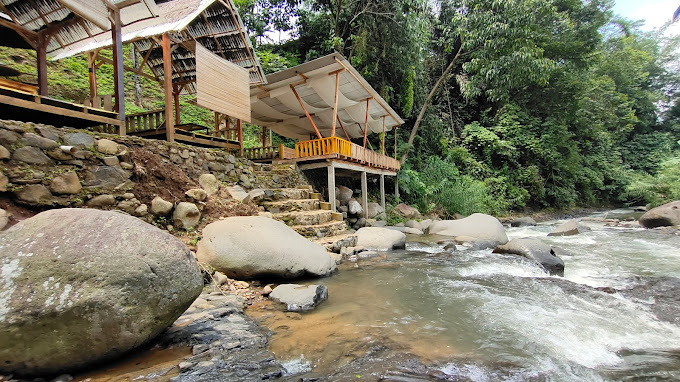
{"type": "Point", "coordinates": [323, 146]}
{"type": "Point", "coordinates": [347, 149]}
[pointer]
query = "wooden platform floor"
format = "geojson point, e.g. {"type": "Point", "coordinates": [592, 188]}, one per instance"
{"type": "Point", "coordinates": [21, 106]}
{"type": "Point", "coordinates": [189, 137]}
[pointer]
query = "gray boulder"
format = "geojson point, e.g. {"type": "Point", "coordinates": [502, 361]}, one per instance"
{"type": "Point", "coordinates": [107, 146]}
{"type": "Point", "coordinates": [209, 183]}
{"type": "Point", "coordinates": [572, 227]}
{"type": "Point", "coordinates": [354, 207]}
{"type": "Point", "coordinates": [246, 247]}
{"type": "Point", "coordinates": [31, 155]}
{"type": "Point", "coordinates": [88, 289]}
{"type": "Point", "coordinates": [525, 221]}
{"type": "Point", "coordinates": [4, 218]}
{"type": "Point", "coordinates": [35, 194]}
{"type": "Point", "coordinates": [80, 140]}
{"type": "Point", "coordinates": [474, 228]}
{"type": "Point", "coordinates": [31, 139]}
{"type": "Point", "coordinates": [380, 238]}
{"type": "Point", "coordinates": [537, 251]}
{"type": "Point", "coordinates": [101, 201]}
{"type": "Point", "coordinates": [662, 216]}
{"type": "Point", "coordinates": [67, 183]}
{"type": "Point", "coordinates": [160, 207]}
{"type": "Point", "coordinates": [374, 209]}
{"type": "Point", "coordinates": [406, 211]}
{"type": "Point", "coordinates": [186, 215]}
{"type": "Point", "coordinates": [343, 194]}
{"type": "Point", "coordinates": [299, 298]}
{"type": "Point", "coordinates": [4, 153]}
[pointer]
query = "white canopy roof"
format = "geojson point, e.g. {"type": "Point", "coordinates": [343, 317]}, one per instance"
{"type": "Point", "coordinates": [276, 107]}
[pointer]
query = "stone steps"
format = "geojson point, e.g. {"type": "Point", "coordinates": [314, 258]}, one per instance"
{"type": "Point", "coordinates": [336, 242]}
{"type": "Point", "coordinates": [321, 230]}
{"type": "Point", "coordinates": [291, 205]}
{"type": "Point", "coordinates": [314, 217]}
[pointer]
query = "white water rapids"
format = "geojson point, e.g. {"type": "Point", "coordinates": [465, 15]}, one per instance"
{"type": "Point", "coordinates": [484, 317]}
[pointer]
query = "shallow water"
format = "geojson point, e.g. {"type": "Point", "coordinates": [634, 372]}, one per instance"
{"type": "Point", "coordinates": [479, 316]}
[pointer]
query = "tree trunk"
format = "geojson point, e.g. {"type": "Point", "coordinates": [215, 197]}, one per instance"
{"type": "Point", "coordinates": [427, 102]}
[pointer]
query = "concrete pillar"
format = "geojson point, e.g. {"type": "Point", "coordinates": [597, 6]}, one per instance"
{"type": "Point", "coordinates": [396, 186]}
{"type": "Point", "coordinates": [364, 193]}
{"type": "Point", "coordinates": [331, 186]}
{"type": "Point", "coordinates": [382, 190]}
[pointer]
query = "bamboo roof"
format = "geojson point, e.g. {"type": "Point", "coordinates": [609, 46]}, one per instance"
{"type": "Point", "coordinates": [67, 22]}
{"type": "Point", "coordinates": [215, 24]}
{"type": "Point", "coordinates": [276, 107]}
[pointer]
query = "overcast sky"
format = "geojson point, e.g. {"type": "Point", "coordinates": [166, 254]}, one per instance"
{"type": "Point", "coordinates": [654, 12]}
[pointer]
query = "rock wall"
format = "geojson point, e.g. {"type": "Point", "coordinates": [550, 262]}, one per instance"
{"type": "Point", "coordinates": [42, 167]}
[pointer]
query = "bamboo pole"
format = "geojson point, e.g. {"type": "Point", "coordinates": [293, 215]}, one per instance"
{"type": "Point", "coordinates": [167, 82]}
{"type": "Point", "coordinates": [309, 117]}
{"type": "Point", "coordinates": [335, 104]}
{"type": "Point", "coordinates": [343, 129]}
{"type": "Point", "coordinates": [239, 126]}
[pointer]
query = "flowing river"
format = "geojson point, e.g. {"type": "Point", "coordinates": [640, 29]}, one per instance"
{"type": "Point", "coordinates": [418, 314]}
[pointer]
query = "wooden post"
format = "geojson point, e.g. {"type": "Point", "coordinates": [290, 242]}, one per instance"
{"type": "Point", "coordinates": [167, 83]}
{"type": "Point", "coordinates": [382, 191]}
{"type": "Point", "coordinates": [335, 105]}
{"type": "Point", "coordinates": [118, 70]}
{"type": "Point", "coordinates": [239, 126]}
{"type": "Point", "coordinates": [217, 125]}
{"type": "Point", "coordinates": [331, 186]}
{"type": "Point", "coordinates": [383, 137]}
{"type": "Point", "coordinates": [309, 117]}
{"type": "Point", "coordinates": [92, 74]}
{"type": "Point", "coordinates": [175, 97]}
{"type": "Point", "coordinates": [366, 122]}
{"type": "Point", "coordinates": [41, 53]}
{"type": "Point", "coordinates": [364, 194]}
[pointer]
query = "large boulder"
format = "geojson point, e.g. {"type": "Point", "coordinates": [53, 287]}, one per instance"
{"type": "Point", "coordinates": [354, 207]}
{"type": "Point", "coordinates": [572, 227]}
{"type": "Point", "coordinates": [246, 247]}
{"type": "Point", "coordinates": [374, 209]}
{"type": "Point", "coordinates": [87, 289]}
{"type": "Point", "coordinates": [4, 218]}
{"type": "Point", "coordinates": [186, 215]}
{"type": "Point", "coordinates": [299, 298]}
{"type": "Point", "coordinates": [343, 194]}
{"type": "Point", "coordinates": [537, 251]}
{"type": "Point", "coordinates": [380, 238]}
{"type": "Point", "coordinates": [474, 228]}
{"type": "Point", "coordinates": [406, 211]}
{"type": "Point", "coordinates": [662, 216]}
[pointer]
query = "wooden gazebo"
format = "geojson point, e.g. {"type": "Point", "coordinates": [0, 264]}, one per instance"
{"type": "Point", "coordinates": [326, 105]}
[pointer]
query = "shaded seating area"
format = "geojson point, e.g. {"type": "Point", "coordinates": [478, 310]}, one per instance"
{"type": "Point", "coordinates": [330, 109]}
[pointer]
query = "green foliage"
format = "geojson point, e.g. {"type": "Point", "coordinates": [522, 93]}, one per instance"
{"type": "Point", "coordinates": [273, 62]}
{"type": "Point", "coordinates": [655, 190]}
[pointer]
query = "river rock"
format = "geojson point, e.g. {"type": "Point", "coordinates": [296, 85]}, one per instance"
{"type": "Point", "coordinates": [535, 250]}
{"type": "Point", "coordinates": [67, 184]}
{"type": "Point", "coordinates": [160, 207]}
{"type": "Point", "coordinates": [662, 216]}
{"type": "Point", "coordinates": [299, 298]}
{"type": "Point", "coordinates": [4, 153]}
{"type": "Point", "coordinates": [101, 201]}
{"type": "Point", "coordinates": [476, 227]}
{"type": "Point", "coordinates": [88, 289]}
{"type": "Point", "coordinates": [186, 215]}
{"type": "Point", "coordinates": [525, 221]}
{"type": "Point", "coordinates": [209, 183]}
{"type": "Point", "coordinates": [31, 155]}
{"type": "Point", "coordinates": [197, 194]}
{"type": "Point", "coordinates": [374, 209]}
{"type": "Point", "coordinates": [235, 246]}
{"type": "Point", "coordinates": [354, 207]}
{"type": "Point", "coordinates": [107, 146]}
{"type": "Point", "coordinates": [380, 238]}
{"type": "Point", "coordinates": [35, 194]}
{"type": "Point", "coordinates": [343, 194]}
{"type": "Point", "coordinates": [572, 227]}
{"type": "Point", "coordinates": [406, 211]}
{"type": "Point", "coordinates": [4, 218]}
{"type": "Point", "coordinates": [35, 140]}
{"type": "Point", "coordinates": [80, 140]}
{"type": "Point", "coordinates": [4, 181]}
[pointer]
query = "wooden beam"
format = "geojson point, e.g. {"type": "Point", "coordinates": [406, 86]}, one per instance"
{"type": "Point", "coordinates": [28, 35]}
{"type": "Point", "coordinates": [239, 127]}
{"type": "Point", "coordinates": [118, 68]}
{"type": "Point", "coordinates": [335, 104]}
{"type": "Point", "coordinates": [37, 106]}
{"type": "Point", "coordinates": [92, 74]}
{"type": "Point", "coordinates": [366, 122]}
{"type": "Point", "coordinates": [129, 69]}
{"type": "Point", "coordinates": [41, 54]}
{"type": "Point", "coordinates": [309, 117]}
{"type": "Point", "coordinates": [343, 128]}
{"type": "Point", "coordinates": [264, 136]}
{"type": "Point", "coordinates": [167, 81]}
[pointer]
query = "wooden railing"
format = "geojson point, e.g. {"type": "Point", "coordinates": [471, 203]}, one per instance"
{"type": "Point", "coordinates": [286, 153]}
{"type": "Point", "coordinates": [144, 121]}
{"type": "Point", "coordinates": [323, 146]}
{"type": "Point", "coordinates": [351, 151]}
{"type": "Point", "coordinates": [270, 152]}
{"type": "Point", "coordinates": [100, 102]}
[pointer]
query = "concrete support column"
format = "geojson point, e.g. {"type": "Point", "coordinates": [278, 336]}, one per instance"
{"type": "Point", "coordinates": [396, 186]}
{"type": "Point", "coordinates": [331, 186]}
{"type": "Point", "coordinates": [382, 190]}
{"type": "Point", "coordinates": [364, 193]}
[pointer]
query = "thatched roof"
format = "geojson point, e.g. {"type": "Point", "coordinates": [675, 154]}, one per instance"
{"type": "Point", "coordinates": [67, 22]}
{"type": "Point", "coordinates": [275, 106]}
{"type": "Point", "coordinates": [215, 24]}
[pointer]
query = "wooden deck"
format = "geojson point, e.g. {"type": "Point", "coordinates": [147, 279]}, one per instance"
{"type": "Point", "coordinates": [26, 106]}
{"type": "Point", "coordinates": [323, 150]}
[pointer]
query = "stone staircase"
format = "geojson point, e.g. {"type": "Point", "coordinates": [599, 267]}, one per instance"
{"type": "Point", "coordinates": [303, 210]}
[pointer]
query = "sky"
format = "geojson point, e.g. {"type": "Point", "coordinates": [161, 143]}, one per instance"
{"type": "Point", "coordinates": [654, 12]}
